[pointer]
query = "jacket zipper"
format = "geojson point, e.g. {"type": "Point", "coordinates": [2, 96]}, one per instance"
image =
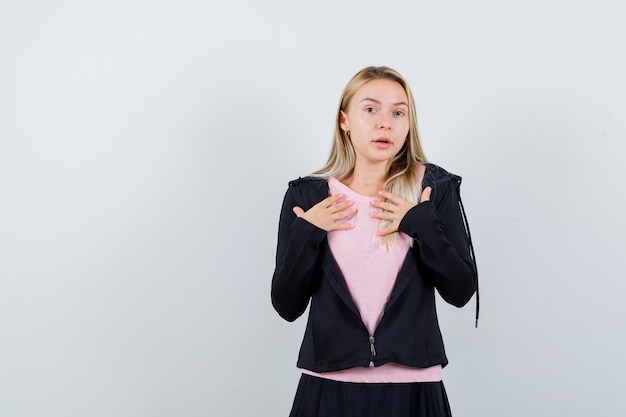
{"type": "Point", "coordinates": [372, 350]}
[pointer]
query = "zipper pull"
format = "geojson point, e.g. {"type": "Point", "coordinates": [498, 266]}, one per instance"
{"type": "Point", "coordinates": [372, 348]}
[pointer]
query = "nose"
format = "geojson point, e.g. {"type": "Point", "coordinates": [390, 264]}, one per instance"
{"type": "Point", "coordinates": [384, 121]}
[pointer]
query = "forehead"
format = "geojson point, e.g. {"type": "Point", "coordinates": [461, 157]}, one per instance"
{"type": "Point", "coordinates": [383, 90]}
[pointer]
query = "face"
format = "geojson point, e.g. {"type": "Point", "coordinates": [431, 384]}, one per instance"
{"type": "Point", "coordinates": [378, 120]}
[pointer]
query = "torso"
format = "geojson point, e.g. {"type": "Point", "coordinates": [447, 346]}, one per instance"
{"type": "Point", "coordinates": [370, 271]}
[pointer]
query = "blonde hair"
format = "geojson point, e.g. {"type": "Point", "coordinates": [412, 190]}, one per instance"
{"type": "Point", "coordinates": [403, 174]}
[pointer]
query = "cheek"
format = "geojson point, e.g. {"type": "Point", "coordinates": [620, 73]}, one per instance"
{"type": "Point", "coordinates": [361, 122]}
{"type": "Point", "coordinates": [403, 127]}
{"type": "Point", "coordinates": [401, 143]}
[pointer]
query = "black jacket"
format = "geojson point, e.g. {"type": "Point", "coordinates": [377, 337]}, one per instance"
{"type": "Point", "coordinates": [408, 333]}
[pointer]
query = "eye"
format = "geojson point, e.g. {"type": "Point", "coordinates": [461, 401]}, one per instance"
{"type": "Point", "coordinates": [399, 113]}
{"type": "Point", "coordinates": [370, 109]}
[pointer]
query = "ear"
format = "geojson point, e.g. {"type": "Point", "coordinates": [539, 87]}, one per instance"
{"type": "Point", "coordinates": [343, 121]}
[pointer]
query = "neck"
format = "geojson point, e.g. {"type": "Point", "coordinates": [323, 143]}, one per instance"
{"type": "Point", "coordinates": [368, 179]}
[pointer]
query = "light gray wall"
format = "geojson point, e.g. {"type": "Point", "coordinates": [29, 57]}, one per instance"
{"type": "Point", "coordinates": [145, 147]}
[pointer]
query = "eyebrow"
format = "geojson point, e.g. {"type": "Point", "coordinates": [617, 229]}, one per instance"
{"type": "Point", "coordinates": [378, 101]}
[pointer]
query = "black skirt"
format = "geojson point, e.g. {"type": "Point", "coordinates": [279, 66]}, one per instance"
{"type": "Point", "coordinates": [319, 397]}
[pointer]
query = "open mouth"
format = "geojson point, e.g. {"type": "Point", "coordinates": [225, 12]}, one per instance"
{"type": "Point", "coordinates": [383, 141]}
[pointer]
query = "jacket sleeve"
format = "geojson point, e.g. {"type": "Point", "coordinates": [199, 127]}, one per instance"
{"type": "Point", "coordinates": [442, 241]}
{"type": "Point", "coordinates": [296, 256]}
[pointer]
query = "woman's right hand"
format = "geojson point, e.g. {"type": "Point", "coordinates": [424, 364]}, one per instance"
{"type": "Point", "coordinates": [326, 213]}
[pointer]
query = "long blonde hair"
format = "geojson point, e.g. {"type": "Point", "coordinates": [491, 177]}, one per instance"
{"type": "Point", "coordinates": [403, 174]}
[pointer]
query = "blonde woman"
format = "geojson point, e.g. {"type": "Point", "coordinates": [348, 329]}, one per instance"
{"type": "Point", "coordinates": [366, 240]}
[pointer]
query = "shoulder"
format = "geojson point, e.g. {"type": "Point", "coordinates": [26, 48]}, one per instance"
{"type": "Point", "coordinates": [308, 191]}
{"type": "Point", "coordinates": [445, 185]}
{"type": "Point", "coordinates": [314, 182]}
{"type": "Point", "coordinates": [437, 176]}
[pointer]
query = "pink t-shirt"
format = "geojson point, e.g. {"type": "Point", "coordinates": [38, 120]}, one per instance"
{"type": "Point", "coordinates": [370, 270]}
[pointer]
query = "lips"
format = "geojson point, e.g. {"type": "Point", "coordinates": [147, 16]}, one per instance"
{"type": "Point", "coordinates": [382, 142]}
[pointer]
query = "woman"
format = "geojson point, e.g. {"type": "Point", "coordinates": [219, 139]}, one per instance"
{"type": "Point", "coordinates": [367, 239]}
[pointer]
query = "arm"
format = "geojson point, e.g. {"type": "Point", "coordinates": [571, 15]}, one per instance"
{"type": "Point", "coordinates": [443, 243]}
{"type": "Point", "coordinates": [296, 254]}
{"type": "Point", "coordinates": [300, 234]}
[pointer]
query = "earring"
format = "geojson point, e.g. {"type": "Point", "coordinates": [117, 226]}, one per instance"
{"type": "Point", "coordinates": [348, 134]}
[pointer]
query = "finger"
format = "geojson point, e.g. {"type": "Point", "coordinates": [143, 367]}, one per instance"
{"type": "Point", "coordinates": [329, 201]}
{"type": "Point", "coordinates": [383, 215]}
{"type": "Point", "coordinates": [391, 197]}
{"type": "Point", "coordinates": [335, 208]}
{"type": "Point", "coordinates": [298, 211]}
{"type": "Point", "coordinates": [342, 226]}
{"type": "Point", "coordinates": [387, 230]}
{"type": "Point", "coordinates": [384, 205]}
{"type": "Point", "coordinates": [426, 194]}
{"type": "Point", "coordinates": [343, 214]}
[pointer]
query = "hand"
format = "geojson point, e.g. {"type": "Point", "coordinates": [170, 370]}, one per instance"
{"type": "Point", "coordinates": [425, 194]}
{"type": "Point", "coordinates": [394, 209]}
{"type": "Point", "coordinates": [326, 213]}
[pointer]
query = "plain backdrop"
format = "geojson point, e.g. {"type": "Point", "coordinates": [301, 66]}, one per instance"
{"type": "Point", "coordinates": [145, 148]}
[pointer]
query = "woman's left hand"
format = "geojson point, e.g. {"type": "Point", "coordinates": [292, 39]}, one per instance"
{"type": "Point", "coordinates": [393, 209]}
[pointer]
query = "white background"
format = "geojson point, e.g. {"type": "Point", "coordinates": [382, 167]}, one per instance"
{"type": "Point", "coordinates": [145, 147]}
